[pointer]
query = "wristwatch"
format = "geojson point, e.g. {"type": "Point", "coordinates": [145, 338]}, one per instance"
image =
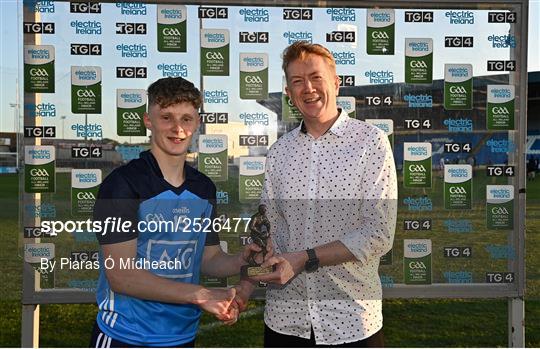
{"type": "Point", "coordinates": [312, 263]}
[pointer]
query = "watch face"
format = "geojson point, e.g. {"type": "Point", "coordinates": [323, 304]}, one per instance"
{"type": "Point", "coordinates": [311, 266]}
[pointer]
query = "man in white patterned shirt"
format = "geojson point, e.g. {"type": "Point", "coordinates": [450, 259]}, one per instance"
{"type": "Point", "coordinates": [331, 196]}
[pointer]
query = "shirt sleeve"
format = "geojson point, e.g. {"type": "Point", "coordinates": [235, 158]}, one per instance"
{"type": "Point", "coordinates": [117, 202]}
{"type": "Point", "coordinates": [212, 237]}
{"type": "Point", "coordinates": [379, 206]}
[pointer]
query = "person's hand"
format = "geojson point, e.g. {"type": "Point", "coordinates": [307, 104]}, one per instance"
{"type": "Point", "coordinates": [253, 247]}
{"type": "Point", "coordinates": [287, 266]}
{"type": "Point", "coordinates": [217, 302]}
{"type": "Point", "coordinates": [243, 292]}
{"type": "Point", "coordinates": [233, 313]}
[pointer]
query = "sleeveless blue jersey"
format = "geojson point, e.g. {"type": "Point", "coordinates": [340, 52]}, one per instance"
{"type": "Point", "coordinates": [138, 192]}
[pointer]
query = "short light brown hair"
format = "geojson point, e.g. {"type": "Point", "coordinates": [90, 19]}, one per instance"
{"type": "Point", "coordinates": [301, 49]}
{"type": "Point", "coordinates": [168, 91]}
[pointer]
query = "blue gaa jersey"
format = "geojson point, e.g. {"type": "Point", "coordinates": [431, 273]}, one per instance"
{"type": "Point", "coordinates": [164, 221]}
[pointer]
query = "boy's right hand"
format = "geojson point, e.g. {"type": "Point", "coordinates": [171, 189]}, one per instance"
{"type": "Point", "coordinates": [217, 302]}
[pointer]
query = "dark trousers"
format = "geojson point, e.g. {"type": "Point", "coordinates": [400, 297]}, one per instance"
{"type": "Point", "coordinates": [273, 339]}
{"type": "Point", "coordinates": [101, 340]}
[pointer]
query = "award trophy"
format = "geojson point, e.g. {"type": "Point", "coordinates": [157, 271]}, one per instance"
{"type": "Point", "coordinates": [259, 227]}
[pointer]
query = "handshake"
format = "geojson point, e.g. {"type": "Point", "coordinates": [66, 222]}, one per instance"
{"type": "Point", "coordinates": [227, 304]}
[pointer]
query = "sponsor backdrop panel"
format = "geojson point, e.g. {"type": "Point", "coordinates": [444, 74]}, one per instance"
{"type": "Point", "coordinates": [446, 102]}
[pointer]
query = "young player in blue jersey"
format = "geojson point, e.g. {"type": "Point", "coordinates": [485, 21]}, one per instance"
{"type": "Point", "coordinates": [148, 291]}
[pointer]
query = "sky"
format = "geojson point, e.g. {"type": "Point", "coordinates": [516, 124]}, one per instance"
{"type": "Point", "coordinates": [11, 38]}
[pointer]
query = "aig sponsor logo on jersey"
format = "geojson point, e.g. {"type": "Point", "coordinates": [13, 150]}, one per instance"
{"type": "Point", "coordinates": [182, 251]}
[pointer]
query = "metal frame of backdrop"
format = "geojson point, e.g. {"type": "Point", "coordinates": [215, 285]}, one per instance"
{"type": "Point", "coordinates": [33, 295]}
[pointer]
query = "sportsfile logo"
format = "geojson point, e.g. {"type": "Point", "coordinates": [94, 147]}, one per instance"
{"type": "Point", "coordinates": [173, 70]}
{"type": "Point", "coordinates": [458, 125]}
{"type": "Point", "coordinates": [501, 145]}
{"type": "Point", "coordinates": [458, 277]}
{"type": "Point", "coordinates": [132, 9]}
{"type": "Point", "coordinates": [85, 7]}
{"type": "Point", "coordinates": [42, 110]}
{"type": "Point", "coordinates": [419, 101]}
{"type": "Point", "coordinates": [502, 41]}
{"type": "Point", "coordinates": [298, 14]}
{"type": "Point", "coordinates": [38, 28]}
{"type": "Point", "coordinates": [255, 14]}
{"type": "Point", "coordinates": [132, 50]}
{"type": "Point", "coordinates": [85, 49]}
{"type": "Point", "coordinates": [253, 37]}
{"type": "Point", "coordinates": [342, 14]}
{"type": "Point", "coordinates": [131, 72]}
{"type": "Point", "coordinates": [418, 203]}
{"type": "Point", "coordinates": [86, 27]}
{"type": "Point", "coordinates": [259, 118]}
{"type": "Point", "coordinates": [458, 225]}
{"type": "Point", "coordinates": [380, 77]}
{"type": "Point", "coordinates": [341, 36]}
{"type": "Point", "coordinates": [216, 96]}
{"type": "Point", "coordinates": [131, 28]}
{"type": "Point", "coordinates": [42, 6]}
{"type": "Point", "coordinates": [88, 131]}
{"type": "Point", "coordinates": [344, 57]}
{"type": "Point", "coordinates": [293, 37]}
{"type": "Point", "coordinates": [501, 252]}
{"type": "Point", "coordinates": [460, 17]}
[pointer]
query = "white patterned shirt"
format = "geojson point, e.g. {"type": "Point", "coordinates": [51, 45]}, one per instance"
{"type": "Point", "coordinates": [341, 186]}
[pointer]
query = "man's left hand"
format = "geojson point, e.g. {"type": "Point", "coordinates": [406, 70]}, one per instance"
{"type": "Point", "coordinates": [287, 266]}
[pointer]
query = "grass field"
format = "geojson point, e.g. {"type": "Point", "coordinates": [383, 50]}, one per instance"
{"type": "Point", "coordinates": [408, 323]}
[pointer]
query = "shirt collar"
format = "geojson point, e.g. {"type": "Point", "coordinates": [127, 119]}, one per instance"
{"type": "Point", "coordinates": [338, 128]}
